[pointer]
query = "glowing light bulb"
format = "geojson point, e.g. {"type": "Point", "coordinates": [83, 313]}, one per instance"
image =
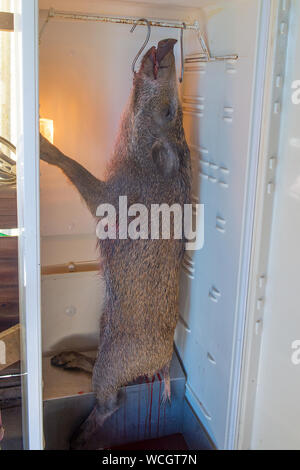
{"type": "Point", "coordinates": [47, 129]}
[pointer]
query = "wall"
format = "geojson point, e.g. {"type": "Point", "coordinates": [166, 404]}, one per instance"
{"type": "Point", "coordinates": [277, 410]}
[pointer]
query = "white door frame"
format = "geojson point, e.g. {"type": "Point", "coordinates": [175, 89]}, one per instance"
{"type": "Point", "coordinates": [28, 187]}
{"type": "Point", "coordinates": [262, 42]}
{"type": "Point", "coordinates": [271, 95]}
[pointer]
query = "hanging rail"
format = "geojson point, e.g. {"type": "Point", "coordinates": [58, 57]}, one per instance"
{"type": "Point", "coordinates": [204, 56]}
{"type": "Point", "coordinates": [123, 20]}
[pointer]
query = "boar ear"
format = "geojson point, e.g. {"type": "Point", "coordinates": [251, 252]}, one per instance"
{"type": "Point", "coordinates": [165, 159]}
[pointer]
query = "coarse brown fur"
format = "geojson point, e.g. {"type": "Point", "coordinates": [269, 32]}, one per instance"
{"type": "Point", "coordinates": [150, 165]}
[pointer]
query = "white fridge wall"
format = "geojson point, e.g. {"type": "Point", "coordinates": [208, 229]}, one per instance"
{"type": "Point", "coordinates": [217, 103]}
{"type": "Point", "coordinates": [277, 406]}
{"type": "Point", "coordinates": [71, 306]}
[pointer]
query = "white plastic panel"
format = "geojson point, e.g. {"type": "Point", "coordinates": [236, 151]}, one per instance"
{"type": "Point", "coordinates": [65, 249]}
{"type": "Point", "coordinates": [71, 306]}
{"type": "Point", "coordinates": [217, 103]}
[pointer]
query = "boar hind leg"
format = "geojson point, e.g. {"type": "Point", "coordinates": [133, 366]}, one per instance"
{"type": "Point", "coordinates": [107, 380]}
{"type": "Point", "coordinates": [88, 435]}
{"type": "Point", "coordinates": [73, 360]}
{"type": "Point", "coordinates": [90, 188]}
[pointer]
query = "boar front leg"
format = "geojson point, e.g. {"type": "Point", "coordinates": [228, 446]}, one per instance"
{"type": "Point", "coordinates": [70, 360]}
{"type": "Point", "coordinates": [90, 188]}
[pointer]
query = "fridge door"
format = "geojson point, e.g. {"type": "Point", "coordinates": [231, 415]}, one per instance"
{"type": "Point", "coordinates": [27, 143]}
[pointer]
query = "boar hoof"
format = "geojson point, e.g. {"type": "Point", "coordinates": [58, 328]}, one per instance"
{"type": "Point", "coordinates": [86, 437]}
{"type": "Point", "coordinates": [67, 360]}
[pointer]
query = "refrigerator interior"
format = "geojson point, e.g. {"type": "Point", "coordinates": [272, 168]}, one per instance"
{"type": "Point", "coordinates": [85, 80]}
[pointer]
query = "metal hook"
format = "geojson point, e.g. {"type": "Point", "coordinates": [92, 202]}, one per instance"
{"type": "Point", "coordinates": [181, 53]}
{"type": "Point", "coordinates": [145, 42]}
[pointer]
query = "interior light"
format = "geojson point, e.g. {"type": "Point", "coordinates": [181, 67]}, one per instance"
{"type": "Point", "coordinates": [47, 129]}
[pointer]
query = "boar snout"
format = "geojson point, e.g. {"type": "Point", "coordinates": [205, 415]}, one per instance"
{"type": "Point", "coordinates": [159, 63]}
{"type": "Point", "coordinates": [165, 51]}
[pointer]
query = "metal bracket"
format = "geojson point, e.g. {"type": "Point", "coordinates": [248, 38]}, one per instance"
{"type": "Point", "coordinates": [204, 56]}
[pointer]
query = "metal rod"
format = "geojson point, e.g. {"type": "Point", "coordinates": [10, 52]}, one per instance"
{"type": "Point", "coordinates": [204, 45]}
{"type": "Point", "coordinates": [122, 20]}
{"type": "Point", "coordinates": [204, 58]}
{"type": "Point", "coordinates": [181, 55]}
{"type": "Point", "coordinates": [9, 376]}
{"type": "Point", "coordinates": [44, 25]}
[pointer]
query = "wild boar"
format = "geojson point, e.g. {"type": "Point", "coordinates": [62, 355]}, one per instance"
{"type": "Point", "coordinates": [150, 165]}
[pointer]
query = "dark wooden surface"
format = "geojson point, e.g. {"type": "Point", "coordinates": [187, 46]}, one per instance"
{"type": "Point", "coordinates": [9, 291]}
{"type": "Point", "coordinates": [10, 390]}
{"type": "Point", "coordinates": [8, 207]}
{"type": "Point", "coordinates": [8, 248]}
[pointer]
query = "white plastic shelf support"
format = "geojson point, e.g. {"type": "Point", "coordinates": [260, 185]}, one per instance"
{"type": "Point", "coordinates": [266, 187]}
{"type": "Point", "coordinates": [26, 28]}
